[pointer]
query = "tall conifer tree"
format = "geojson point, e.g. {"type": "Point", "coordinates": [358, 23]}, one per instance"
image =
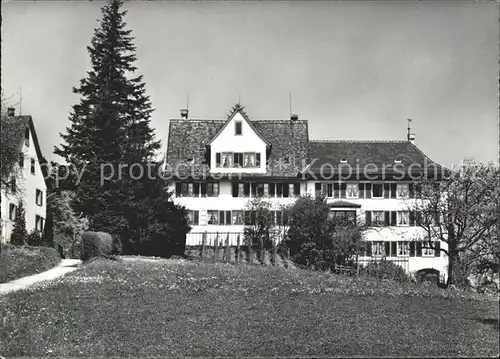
{"type": "Point", "coordinates": [111, 126]}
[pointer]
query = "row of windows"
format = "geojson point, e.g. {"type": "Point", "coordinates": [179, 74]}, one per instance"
{"type": "Point", "coordinates": [235, 217]}
{"type": "Point", "coordinates": [395, 218]}
{"type": "Point", "coordinates": [330, 190]}
{"type": "Point", "coordinates": [402, 249]}
{"type": "Point", "coordinates": [14, 212]}
{"type": "Point", "coordinates": [237, 159]}
{"type": "Point", "coordinates": [367, 190]}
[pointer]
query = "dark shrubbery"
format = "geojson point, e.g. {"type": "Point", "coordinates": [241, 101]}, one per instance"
{"type": "Point", "coordinates": [34, 238]}
{"type": "Point", "coordinates": [116, 248]}
{"type": "Point", "coordinates": [96, 244]}
{"type": "Point", "coordinates": [17, 262]}
{"type": "Point", "coordinates": [384, 269]}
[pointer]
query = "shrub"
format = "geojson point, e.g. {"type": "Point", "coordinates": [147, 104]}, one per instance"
{"type": "Point", "coordinates": [96, 244]}
{"type": "Point", "coordinates": [34, 238]}
{"type": "Point", "coordinates": [17, 262]}
{"type": "Point", "coordinates": [19, 232]}
{"type": "Point", "coordinates": [384, 269]}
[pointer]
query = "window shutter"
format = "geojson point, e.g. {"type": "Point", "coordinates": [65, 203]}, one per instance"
{"type": "Point", "coordinates": [387, 249]}
{"type": "Point", "coordinates": [257, 159]}
{"type": "Point", "coordinates": [387, 217]}
{"type": "Point", "coordinates": [203, 189]}
{"type": "Point", "coordinates": [394, 218]}
{"type": "Point", "coordinates": [336, 190]}
{"type": "Point", "coordinates": [394, 251]}
{"type": "Point", "coordinates": [177, 189]}
{"type": "Point", "coordinates": [386, 190]}
{"type": "Point", "coordinates": [296, 189]}
{"type": "Point", "coordinates": [196, 189]}
{"type": "Point", "coordinates": [411, 190]}
{"type": "Point", "coordinates": [393, 190]}
{"type": "Point", "coordinates": [203, 218]}
{"type": "Point", "coordinates": [419, 249]}
{"type": "Point", "coordinates": [369, 249]}
{"type": "Point", "coordinates": [368, 218]}
{"type": "Point", "coordinates": [196, 217]}
{"type": "Point", "coordinates": [286, 190]}
{"type": "Point", "coordinates": [317, 188]}
{"type": "Point", "coordinates": [437, 249]}
{"type": "Point", "coordinates": [210, 189]}
{"type": "Point", "coordinates": [412, 249]}
{"type": "Point", "coordinates": [228, 217]}
{"type": "Point", "coordinates": [217, 159]}
{"type": "Point", "coordinates": [418, 218]}
{"type": "Point", "coordinates": [368, 190]}
{"type": "Point", "coordinates": [272, 189]}
{"type": "Point", "coordinates": [329, 189]}
{"type": "Point", "coordinates": [343, 188]}
{"type": "Point", "coordinates": [412, 218]}
{"type": "Point", "coordinates": [221, 218]}
{"type": "Point", "coordinates": [235, 189]}
{"type": "Point", "coordinates": [361, 190]}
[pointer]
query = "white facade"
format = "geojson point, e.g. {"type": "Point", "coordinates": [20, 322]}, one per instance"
{"type": "Point", "coordinates": [29, 185]}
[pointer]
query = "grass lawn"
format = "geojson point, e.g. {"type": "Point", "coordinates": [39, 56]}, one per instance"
{"type": "Point", "coordinates": [17, 262]}
{"type": "Point", "coordinates": [182, 308]}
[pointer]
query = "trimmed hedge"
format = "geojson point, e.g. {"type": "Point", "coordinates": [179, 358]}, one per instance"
{"type": "Point", "coordinates": [96, 244]}
{"type": "Point", "coordinates": [17, 262]}
{"type": "Point", "coordinates": [386, 270]}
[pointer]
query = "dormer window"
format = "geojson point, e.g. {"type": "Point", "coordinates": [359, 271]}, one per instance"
{"type": "Point", "coordinates": [286, 160]}
{"type": "Point", "coordinates": [27, 137]}
{"type": "Point", "coordinates": [343, 160]}
{"type": "Point", "coordinates": [237, 127]}
{"type": "Point", "coordinates": [397, 161]}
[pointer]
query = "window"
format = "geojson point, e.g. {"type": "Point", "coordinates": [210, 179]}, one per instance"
{"type": "Point", "coordinates": [193, 217]}
{"type": "Point", "coordinates": [212, 190]}
{"type": "Point", "coordinates": [21, 160]}
{"type": "Point", "coordinates": [390, 249]}
{"type": "Point", "coordinates": [378, 218]}
{"type": "Point", "coordinates": [249, 159]}
{"type": "Point", "coordinates": [12, 212]}
{"type": "Point", "coordinates": [377, 248]}
{"type": "Point", "coordinates": [33, 166]}
{"type": "Point", "coordinates": [27, 137]}
{"type": "Point", "coordinates": [39, 198]}
{"type": "Point", "coordinates": [378, 190]}
{"type": "Point", "coordinates": [427, 250]}
{"type": "Point", "coordinates": [403, 248]}
{"type": "Point", "coordinates": [238, 217]}
{"type": "Point", "coordinates": [403, 218]}
{"type": "Point", "coordinates": [343, 217]}
{"type": "Point", "coordinates": [402, 190]}
{"type": "Point", "coordinates": [227, 159]}
{"type": "Point", "coordinates": [237, 127]}
{"type": "Point", "coordinates": [365, 190]}
{"type": "Point", "coordinates": [390, 190]}
{"type": "Point", "coordinates": [224, 217]}
{"type": "Point", "coordinates": [213, 217]}
{"type": "Point", "coordinates": [352, 190]}
{"type": "Point", "coordinates": [38, 223]}
{"type": "Point", "coordinates": [238, 159]}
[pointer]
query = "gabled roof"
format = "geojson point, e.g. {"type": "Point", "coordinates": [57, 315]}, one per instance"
{"type": "Point", "coordinates": [238, 108]}
{"type": "Point", "coordinates": [389, 156]}
{"type": "Point", "coordinates": [19, 124]}
{"type": "Point", "coordinates": [188, 138]}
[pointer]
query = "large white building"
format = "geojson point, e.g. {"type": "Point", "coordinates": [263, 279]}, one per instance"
{"type": "Point", "coordinates": [28, 184]}
{"type": "Point", "coordinates": [219, 165]}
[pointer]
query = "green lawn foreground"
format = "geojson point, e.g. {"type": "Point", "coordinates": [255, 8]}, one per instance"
{"type": "Point", "coordinates": [189, 308]}
{"type": "Point", "coordinates": [18, 262]}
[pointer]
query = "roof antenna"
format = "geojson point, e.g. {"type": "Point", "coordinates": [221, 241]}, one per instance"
{"type": "Point", "coordinates": [290, 103]}
{"type": "Point", "coordinates": [239, 100]}
{"type": "Point", "coordinates": [410, 136]}
{"type": "Point", "coordinates": [187, 100]}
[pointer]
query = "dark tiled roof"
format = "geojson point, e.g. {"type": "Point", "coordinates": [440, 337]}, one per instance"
{"type": "Point", "coordinates": [371, 155]}
{"type": "Point", "coordinates": [15, 126]}
{"type": "Point", "coordinates": [188, 138]}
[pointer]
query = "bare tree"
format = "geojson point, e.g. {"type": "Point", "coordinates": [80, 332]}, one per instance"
{"type": "Point", "coordinates": [460, 210]}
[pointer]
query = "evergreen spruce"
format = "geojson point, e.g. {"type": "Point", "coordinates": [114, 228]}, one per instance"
{"type": "Point", "coordinates": [110, 126]}
{"type": "Point", "coordinates": [19, 232]}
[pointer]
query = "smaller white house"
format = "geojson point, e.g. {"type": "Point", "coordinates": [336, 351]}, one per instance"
{"type": "Point", "coordinates": [26, 183]}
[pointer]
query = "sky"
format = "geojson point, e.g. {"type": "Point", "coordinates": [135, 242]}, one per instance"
{"type": "Point", "coordinates": [355, 70]}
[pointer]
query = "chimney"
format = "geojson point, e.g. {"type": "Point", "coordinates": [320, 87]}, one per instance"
{"type": "Point", "coordinates": [410, 135]}
{"type": "Point", "coordinates": [11, 111]}
{"type": "Point", "coordinates": [294, 117]}
{"type": "Point", "coordinates": [184, 113]}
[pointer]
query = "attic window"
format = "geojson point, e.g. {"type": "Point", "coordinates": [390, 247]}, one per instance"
{"type": "Point", "coordinates": [397, 161]}
{"type": "Point", "coordinates": [237, 127]}
{"type": "Point", "coordinates": [343, 160]}
{"type": "Point", "coordinates": [286, 160]}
